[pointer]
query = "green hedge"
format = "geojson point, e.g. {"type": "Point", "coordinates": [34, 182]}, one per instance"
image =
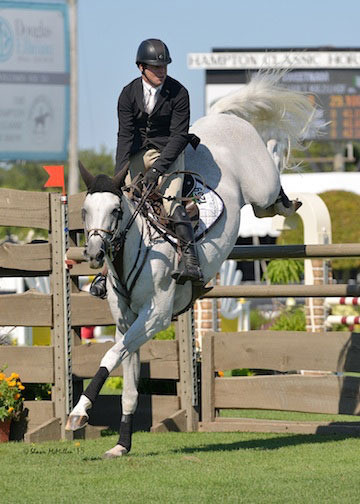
{"type": "Point", "coordinates": [344, 209]}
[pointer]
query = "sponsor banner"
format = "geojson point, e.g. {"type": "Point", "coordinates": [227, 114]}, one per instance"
{"type": "Point", "coordinates": [274, 59]}
{"type": "Point", "coordinates": [34, 80]}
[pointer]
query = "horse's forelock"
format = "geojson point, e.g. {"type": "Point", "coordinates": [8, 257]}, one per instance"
{"type": "Point", "coordinates": [103, 183]}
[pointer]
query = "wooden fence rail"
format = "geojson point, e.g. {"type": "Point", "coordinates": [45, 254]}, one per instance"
{"type": "Point", "coordinates": [282, 352]}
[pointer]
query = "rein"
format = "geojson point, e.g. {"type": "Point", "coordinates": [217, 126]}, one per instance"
{"type": "Point", "coordinates": [122, 236]}
{"type": "Point", "coordinates": [117, 242]}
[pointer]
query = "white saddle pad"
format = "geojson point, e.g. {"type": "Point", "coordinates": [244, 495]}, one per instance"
{"type": "Point", "coordinates": [211, 206]}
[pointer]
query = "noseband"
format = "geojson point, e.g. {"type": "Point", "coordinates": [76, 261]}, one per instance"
{"type": "Point", "coordinates": [118, 238]}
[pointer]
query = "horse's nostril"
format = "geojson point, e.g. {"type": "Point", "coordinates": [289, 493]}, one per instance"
{"type": "Point", "coordinates": [100, 256]}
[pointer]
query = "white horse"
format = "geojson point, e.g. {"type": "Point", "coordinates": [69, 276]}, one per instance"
{"type": "Point", "coordinates": [233, 159]}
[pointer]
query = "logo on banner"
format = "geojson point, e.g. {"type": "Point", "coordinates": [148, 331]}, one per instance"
{"type": "Point", "coordinates": [40, 118]}
{"type": "Point", "coordinates": [6, 40]}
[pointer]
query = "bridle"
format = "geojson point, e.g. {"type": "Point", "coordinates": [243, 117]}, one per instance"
{"type": "Point", "coordinates": [114, 247]}
{"type": "Point", "coordinates": [111, 245]}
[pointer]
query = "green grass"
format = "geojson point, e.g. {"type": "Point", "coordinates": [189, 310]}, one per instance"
{"type": "Point", "coordinates": [185, 468]}
{"type": "Point", "coordinates": [286, 415]}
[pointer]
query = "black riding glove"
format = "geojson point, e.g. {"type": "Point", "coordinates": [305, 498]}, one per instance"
{"type": "Point", "coordinates": [151, 177]}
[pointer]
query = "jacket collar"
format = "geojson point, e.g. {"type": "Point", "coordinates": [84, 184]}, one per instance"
{"type": "Point", "coordinates": [164, 93]}
{"type": "Point", "coordinates": [139, 95]}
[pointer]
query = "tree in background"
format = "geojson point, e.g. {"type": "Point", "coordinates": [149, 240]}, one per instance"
{"type": "Point", "coordinates": [30, 176]}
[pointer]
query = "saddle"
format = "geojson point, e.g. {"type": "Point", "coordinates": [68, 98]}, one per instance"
{"type": "Point", "coordinates": [203, 205]}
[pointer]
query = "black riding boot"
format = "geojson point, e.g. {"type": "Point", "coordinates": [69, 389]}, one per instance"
{"type": "Point", "coordinates": [189, 268]}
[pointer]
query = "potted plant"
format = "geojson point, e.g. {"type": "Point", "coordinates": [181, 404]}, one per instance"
{"type": "Point", "coordinates": [11, 402]}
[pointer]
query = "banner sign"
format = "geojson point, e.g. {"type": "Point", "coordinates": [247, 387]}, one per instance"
{"type": "Point", "coordinates": [331, 78]}
{"type": "Point", "coordinates": [222, 60]}
{"type": "Point", "coordinates": [34, 80]}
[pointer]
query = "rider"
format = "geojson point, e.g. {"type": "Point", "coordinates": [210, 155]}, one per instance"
{"type": "Point", "coordinates": [154, 115]}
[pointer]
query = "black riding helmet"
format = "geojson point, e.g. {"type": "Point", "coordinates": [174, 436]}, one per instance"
{"type": "Point", "coordinates": [153, 52]}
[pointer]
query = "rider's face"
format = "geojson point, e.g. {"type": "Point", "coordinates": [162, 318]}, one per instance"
{"type": "Point", "coordinates": [153, 75]}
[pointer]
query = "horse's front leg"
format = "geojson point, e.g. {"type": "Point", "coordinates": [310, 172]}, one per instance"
{"type": "Point", "coordinates": [150, 320]}
{"type": "Point", "coordinates": [129, 401]}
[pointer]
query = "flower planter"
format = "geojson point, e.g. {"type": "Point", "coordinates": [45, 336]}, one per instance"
{"type": "Point", "coordinates": [5, 430]}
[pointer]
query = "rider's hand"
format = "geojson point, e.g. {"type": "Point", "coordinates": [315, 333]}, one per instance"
{"type": "Point", "coordinates": [151, 177]}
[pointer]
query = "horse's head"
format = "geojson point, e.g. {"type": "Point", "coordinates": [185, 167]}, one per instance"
{"type": "Point", "coordinates": [101, 214]}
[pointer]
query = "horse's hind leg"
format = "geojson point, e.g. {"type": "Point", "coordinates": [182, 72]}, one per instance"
{"type": "Point", "coordinates": [282, 205]}
{"type": "Point", "coordinates": [131, 374]}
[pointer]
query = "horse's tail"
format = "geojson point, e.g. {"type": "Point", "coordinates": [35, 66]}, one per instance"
{"type": "Point", "coordinates": [276, 112]}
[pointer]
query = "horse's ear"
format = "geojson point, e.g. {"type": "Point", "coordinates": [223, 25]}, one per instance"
{"type": "Point", "coordinates": [86, 176]}
{"type": "Point", "coordinates": [120, 176]}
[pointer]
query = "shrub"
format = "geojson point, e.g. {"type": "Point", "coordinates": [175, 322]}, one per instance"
{"type": "Point", "coordinates": [284, 271]}
{"type": "Point", "coordinates": [257, 320]}
{"type": "Point", "coordinates": [290, 320]}
{"type": "Point", "coordinates": [343, 207]}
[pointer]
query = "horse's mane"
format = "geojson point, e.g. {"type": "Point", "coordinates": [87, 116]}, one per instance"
{"type": "Point", "coordinates": [103, 183]}
{"type": "Point", "coordinates": [274, 110]}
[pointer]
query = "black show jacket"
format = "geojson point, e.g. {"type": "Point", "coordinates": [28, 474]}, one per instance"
{"type": "Point", "coordinates": [165, 129]}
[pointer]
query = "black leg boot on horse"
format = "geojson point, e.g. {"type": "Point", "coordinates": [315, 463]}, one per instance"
{"type": "Point", "coordinates": [123, 445]}
{"type": "Point", "coordinates": [189, 267]}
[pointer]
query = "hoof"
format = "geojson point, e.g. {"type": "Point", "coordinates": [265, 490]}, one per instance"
{"type": "Point", "coordinates": [277, 209]}
{"type": "Point", "coordinates": [117, 451]}
{"type": "Point", "coordinates": [297, 204]}
{"type": "Point", "coordinates": [281, 209]}
{"type": "Point", "coordinates": [76, 422]}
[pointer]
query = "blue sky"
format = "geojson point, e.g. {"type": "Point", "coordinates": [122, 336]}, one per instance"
{"type": "Point", "coordinates": [109, 32]}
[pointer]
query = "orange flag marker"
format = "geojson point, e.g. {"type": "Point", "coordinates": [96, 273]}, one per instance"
{"type": "Point", "coordinates": [56, 177]}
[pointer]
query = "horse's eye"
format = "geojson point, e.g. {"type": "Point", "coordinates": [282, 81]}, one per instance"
{"type": "Point", "coordinates": [83, 213]}
{"type": "Point", "coordinates": [115, 212]}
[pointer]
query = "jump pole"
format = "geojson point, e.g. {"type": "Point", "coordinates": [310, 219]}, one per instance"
{"type": "Point", "coordinates": [344, 320]}
{"type": "Point", "coordinates": [349, 301]}
{"type": "Point", "coordinates": [253, 252]}
{"type": "Point", "coordinates": [241, 253]}
{"type": "Point", "coordinates": [270, 291]}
